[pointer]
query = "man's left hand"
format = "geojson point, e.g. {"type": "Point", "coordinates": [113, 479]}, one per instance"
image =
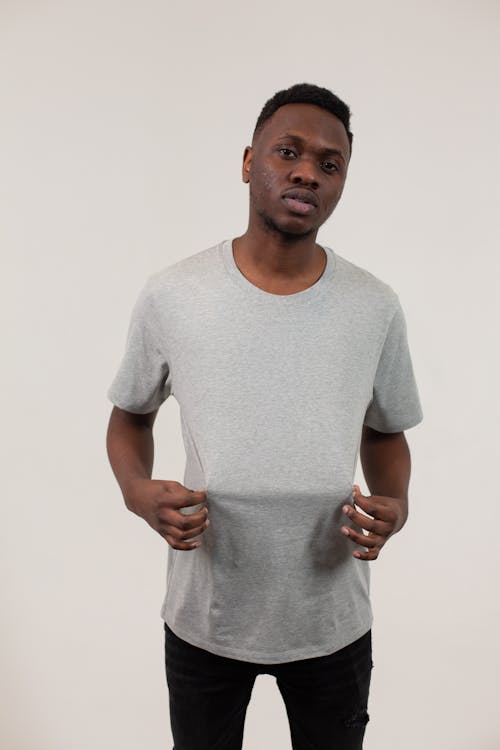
{"type": "Point", "coordinates": [387, 517]}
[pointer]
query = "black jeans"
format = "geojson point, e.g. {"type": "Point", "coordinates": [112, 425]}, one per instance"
{"type": "Point", "coordinates": [326, 697]}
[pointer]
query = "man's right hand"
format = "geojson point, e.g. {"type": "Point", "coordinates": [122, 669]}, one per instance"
{"type": "Point", "coordinates": [159, 501]}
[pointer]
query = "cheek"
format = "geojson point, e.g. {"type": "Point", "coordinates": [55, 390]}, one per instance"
{"type": "Point", "coordinates": [337, 195]}
{"type": "Point", "coordinates": [333, 202]}
{"type": "Point", "coordinates": [267, 181]}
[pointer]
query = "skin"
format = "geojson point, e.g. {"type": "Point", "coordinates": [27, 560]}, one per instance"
{"type": "Point", "coordinates": [385, 459]}
{"type": "Point", "coordinates": [278, 253]}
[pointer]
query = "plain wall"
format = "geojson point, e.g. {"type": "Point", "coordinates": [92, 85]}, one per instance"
{"type": "Point", "coordinates": [123, 128]}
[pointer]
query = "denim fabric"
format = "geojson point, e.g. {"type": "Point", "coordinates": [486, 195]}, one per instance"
{"type": "Point", "coordinates": [326, 697]}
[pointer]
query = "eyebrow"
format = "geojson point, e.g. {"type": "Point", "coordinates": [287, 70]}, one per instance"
{"type": "Point", "coordinates": [325, 150]}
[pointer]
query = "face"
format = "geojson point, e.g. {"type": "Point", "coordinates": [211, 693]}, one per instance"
{"type": "Point", "coordinates": [297, 169]}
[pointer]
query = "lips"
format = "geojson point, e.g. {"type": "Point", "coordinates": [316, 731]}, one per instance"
{"type": "Point", "coordinates": [300, 201]}
{"type": "Point", "coordinates": [302, 195]}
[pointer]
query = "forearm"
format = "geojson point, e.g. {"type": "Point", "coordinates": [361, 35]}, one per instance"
{"type": "Point", "coordinates": [386, 463]}
{"type": "Point", "coordinates": [130, 448]}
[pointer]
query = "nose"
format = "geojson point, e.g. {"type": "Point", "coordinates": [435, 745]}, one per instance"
{"type": "Point", "coordinates": [304, 172]}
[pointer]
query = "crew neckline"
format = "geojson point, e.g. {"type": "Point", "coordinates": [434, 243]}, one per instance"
{"type": "Point", "coordinates": [283, 299]}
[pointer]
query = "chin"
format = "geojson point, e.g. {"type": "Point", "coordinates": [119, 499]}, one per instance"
{"type": "Point", "coordinates": [287, 228]}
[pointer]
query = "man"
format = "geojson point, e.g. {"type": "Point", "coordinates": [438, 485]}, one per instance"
{"type": "Point", "coordinates": [286, 360]}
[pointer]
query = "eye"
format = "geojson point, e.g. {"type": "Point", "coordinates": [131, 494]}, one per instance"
{"type": "Point", "coordinates": [284, 148]}
{"type": "Point", "coordinates": [330, 166]}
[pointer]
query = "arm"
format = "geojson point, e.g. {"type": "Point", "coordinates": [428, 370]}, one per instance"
{"type": "Point", "coordinates": [130, 447]}
{"type": "Point", "coordinates": [385, 459]}
{"type": "Point", "coordinates": [386, 463]}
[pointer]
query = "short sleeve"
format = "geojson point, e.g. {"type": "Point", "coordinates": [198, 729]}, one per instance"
{"type": "Point", "coordinates": [142, 382]}
{"type": "Point", "coordinates": [395, 405]}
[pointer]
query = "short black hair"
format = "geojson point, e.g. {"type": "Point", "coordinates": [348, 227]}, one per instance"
{"type": "Point", "coordinates": [306, 93]}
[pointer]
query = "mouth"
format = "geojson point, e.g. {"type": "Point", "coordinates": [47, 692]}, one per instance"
{"type": "Point", "coordinates": [300, 201]}
{"type": "Point", "coordinates": [298, 206]}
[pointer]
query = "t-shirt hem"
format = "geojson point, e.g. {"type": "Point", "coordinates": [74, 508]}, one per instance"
{"type": "Point", "coordinates": [399, 427]}
{"type": "Point", "coordinates": [116, 401]}
{"type": "Point", "coordinates": [262, 658]}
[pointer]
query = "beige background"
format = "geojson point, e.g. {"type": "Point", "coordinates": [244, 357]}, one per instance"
{"type": "Point", "coordinates": [123, 128]}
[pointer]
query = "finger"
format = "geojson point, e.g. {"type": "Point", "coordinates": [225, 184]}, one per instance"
{"type": "Point", "coordinates": [182, 497]}
{"type": "Point", "coordinates": [366, 540]}
{"type": "Point", "coordinates": [187, 498]}
{"type": "Point", "coordinates": [185, 539]}
{"type": "Point", "coordinates": [180, 545]}
{"type": "Point", "coordinates": [374, 507]}
{"type": "Point", "coordinates": [371, 554]}
{"type": "Point", "coordinates": [366, 522]}
{"type": "Point", "coordinates": [182, 521]}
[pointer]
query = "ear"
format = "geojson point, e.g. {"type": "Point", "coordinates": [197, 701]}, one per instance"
{"type": "Point", "coordinates": [247, 160]}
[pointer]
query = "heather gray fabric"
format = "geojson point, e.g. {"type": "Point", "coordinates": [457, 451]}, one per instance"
{"type": "Point", "coordinates": [273, 391]}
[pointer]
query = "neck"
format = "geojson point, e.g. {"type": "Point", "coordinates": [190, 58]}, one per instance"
{"type": "Point", "coordinates": [271, 253]}
{"type": "Point", "coordinates": [277, 265]}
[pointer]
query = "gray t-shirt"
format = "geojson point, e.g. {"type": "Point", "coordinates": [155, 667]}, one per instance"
{"type": "Point", "coordinates": [273, 391]}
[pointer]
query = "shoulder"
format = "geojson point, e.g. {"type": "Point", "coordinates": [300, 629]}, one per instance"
{"type": "Point", "coordinates": [365, 287]}
{"type": "Point", "coordinates": [187, 274]}
{"type": "Point", "coordinates": [361, 278]}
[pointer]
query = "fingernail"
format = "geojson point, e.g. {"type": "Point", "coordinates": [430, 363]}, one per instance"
{"type": "Point", "coordinates": [345, 531]}
{"type": "Point", "coordinates": [347, 510]}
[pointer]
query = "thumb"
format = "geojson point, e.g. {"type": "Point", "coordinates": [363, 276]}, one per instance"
{"type": "Point", "coordinates": [356, 493]}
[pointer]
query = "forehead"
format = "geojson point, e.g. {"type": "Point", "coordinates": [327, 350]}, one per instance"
{"type": "Point", "coordinates": [316, 125]}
